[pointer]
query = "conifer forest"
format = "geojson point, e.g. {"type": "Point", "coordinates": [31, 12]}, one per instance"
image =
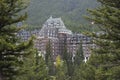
{"type": "Point", "coordinates": [59, 39]}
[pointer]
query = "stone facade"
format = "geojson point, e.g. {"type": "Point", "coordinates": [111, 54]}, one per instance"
{"type": "Point", "coordinates": [25, 35]}
{"type": "Point", "coordinates": [55, 32]}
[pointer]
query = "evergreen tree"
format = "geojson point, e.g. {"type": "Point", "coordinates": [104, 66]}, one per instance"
{"type": "Point", "coordinates": [49, 59]}
{"type": "Point", "coordinates": [84, 72]}
{"type": "Point", "coordinates": [10, 48]}
{"type": "Point", "coordinates": [67, 58]}
{"type": "Point", "coordinates": [78, 63]}
{"type": "Point", "coordinates": [48, 54]}
{"type": "Point", "coordinates": [105, 58]}
{"type": "Point", "coordinates": [34, 67]}
{"type": "Point", "coordinates": [61, 69]}
{"type": "Point", "coordinates": [79, 56]}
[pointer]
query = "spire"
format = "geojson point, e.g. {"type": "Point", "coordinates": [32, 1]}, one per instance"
{"type": "Point", "coordinates": [51, 17]}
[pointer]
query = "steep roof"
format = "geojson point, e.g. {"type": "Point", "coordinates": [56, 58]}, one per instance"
{"type": "Point", "coordinates": [54, 22]}
{"type": "Point", "coordinates": [52, 27]}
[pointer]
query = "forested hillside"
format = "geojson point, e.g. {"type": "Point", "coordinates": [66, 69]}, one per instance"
{"type": "Point", "coordinates": [71, 11]}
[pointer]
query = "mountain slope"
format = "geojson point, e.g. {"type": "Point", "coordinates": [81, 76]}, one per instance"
{"type": "Point", "coordinates": [71, 11]}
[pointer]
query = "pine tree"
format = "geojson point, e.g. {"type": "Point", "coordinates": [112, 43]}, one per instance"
{"type": "Point", "coordinates": [49, 59]}
{"type": "Point", "coordinates": [61, 69]}
{"type": "Point", "coordinates": [79, 56]}
{"type": "Point", "coordinates": [33, 68]}
{"type": "Point", "coordinates": [106, 57]}
{"type": "Point", "coordinates": [84, 72]}
{"type": "Point", "coordinates": [78, 63]}
{"type": "Point", "coordinates": [67, 58]}
{"type": "Point", "coordinates": [10, 48]}
{"type": "Point", "coordinates": [48, 52]}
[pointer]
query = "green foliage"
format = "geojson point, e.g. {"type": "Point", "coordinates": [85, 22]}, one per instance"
{"type": "Point", "coordinates": [58, 61]}
{"type": "Point", "coordinates": [48, 54]}
{"type": "Point", "coordinates": [105, 58]}
{"type": "Point", "coordinates": [33, 68]}
{"type": "Point", "coordinates": [67, 58]}
{"type": "Point", "coordinates": [61, 69]}
{"type": "Point", "coordinates": [49, 59]}
{"type": "Point", "coordinates": [11, 50]}
{"type": "Point", "coordinates": [9, 12]}
{"type": "Point", "coordinates": [78, 63]}
{"type": "Point", "coordinates": [84, 72]}
{"type": "Point", "coordinates": [79, 56]}
{"type": "Point", "coordinates": [71, 11]}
